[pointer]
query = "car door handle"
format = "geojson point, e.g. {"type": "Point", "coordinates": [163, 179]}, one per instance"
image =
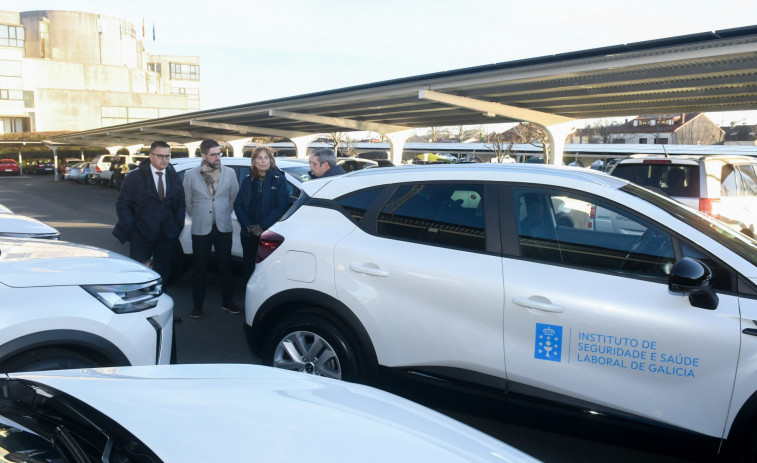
{"type": "Point", "coordinates": [543, 306]}
{"type": "Point", "coordinates": [369, 269]}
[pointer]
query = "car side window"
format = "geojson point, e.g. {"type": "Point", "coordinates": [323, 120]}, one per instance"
{"type": "Point", "coordinates": [569, 229]}
{"type": "Point", "coordinates": [730, 183]}
{"type": "Point", "coordinates": [357, 204]}
{"type": "Point", "coordinates": [749, 175]}
{"type": "Point", "coordinates": [441, 214]}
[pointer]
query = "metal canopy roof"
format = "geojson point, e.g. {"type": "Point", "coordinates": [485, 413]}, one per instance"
{"type": "Point", "coordinates": [714, 71]}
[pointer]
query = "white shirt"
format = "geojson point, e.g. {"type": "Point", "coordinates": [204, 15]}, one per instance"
{"type": "Point", "coordinates": [155, 178]}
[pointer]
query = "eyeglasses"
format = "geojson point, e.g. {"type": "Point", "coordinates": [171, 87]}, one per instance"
{"type": "Point", "coordinates": [162, 157]}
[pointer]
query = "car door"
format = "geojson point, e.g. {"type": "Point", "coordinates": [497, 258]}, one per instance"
{"type": "Point", "coordinates": [589, 319]}
{"type": "Point", "coordinates": [423, 279]}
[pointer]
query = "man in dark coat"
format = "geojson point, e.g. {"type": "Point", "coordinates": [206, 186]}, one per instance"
{"type": "Point", "coordinates": [323, 164]}
{"type": "Point", "coordinates": [151, 209]}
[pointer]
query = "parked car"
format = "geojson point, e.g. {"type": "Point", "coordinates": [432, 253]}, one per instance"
{"type": "Point", "coordinates": [724, 187]}
{"type": "Point", "coordinates": [352, 164]}
{"type": "Point", "coordinates": [434, 158]}
{"type": "Point", "coordinates": [77, 172]}
{"type": "Point", "coordinates": [41, 166]}
{"type": "Point", "coordinates": [9, 167]}
{"type": "Point", "coordinates": [241, 409]}
{"type": "Point", "coordinates": [296, 171]}
{"type": "Point", "coordinates": [64, 165]}
{"type": "Point", "coordinates": [466, 279]}
{"type": "Point", "coordinates": [99, 167]}
{"type": "Point", "coordinates": [21, 226]}
{"type": "Point", "coordinates": [67, 305]}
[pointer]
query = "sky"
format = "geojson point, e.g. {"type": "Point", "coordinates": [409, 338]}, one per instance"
{"type": "Point", "coordinates": [256, 50]}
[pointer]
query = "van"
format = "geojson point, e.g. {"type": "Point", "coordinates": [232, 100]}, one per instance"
{"type": "Point", "coordinates": [724, 187]}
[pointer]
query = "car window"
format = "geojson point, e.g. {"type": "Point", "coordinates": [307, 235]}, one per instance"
{"type": "Point", "coordinates": [558, 227]}
{"type": "Point", "coordinates": [730, 181]}
{"type": "Point", "coordinates": [749, 175]}
{"type": "Point", "coordinates": [671, 179]}
{"type": "Point", "coordinates": [438, 214]}
{"type": "Point", "coordinates": [357, 204]}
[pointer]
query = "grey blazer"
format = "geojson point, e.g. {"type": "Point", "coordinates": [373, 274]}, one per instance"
{"type": "Point", "coordinates": [204, 209]}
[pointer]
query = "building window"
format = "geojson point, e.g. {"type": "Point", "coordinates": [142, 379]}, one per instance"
{"type": "Point", "coordinates": [11, 94]}
{"type": "Point", "coordinates": [185, 71]}
{"type": "Point", "coordinates": [11, 36]}
{"type": "Point", "coordinates": [661, 141]}
{"type": "Point", "coordinates": [619, 141]}
{"type": "Point", "coordinates": [193, 94]}
{"type": "Point", "coordinates": [14, 124]}
{"type": "Point", "coordinates": [154, 67]}
{"type": "Point", "coordinates": [643, 141]}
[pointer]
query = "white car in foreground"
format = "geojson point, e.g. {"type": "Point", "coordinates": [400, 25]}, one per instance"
{"type": "Point", "coordinates": [193, 413]}
{"type": "Point", "coordinates": [20, 226]}
{"type": "Point", "coordinates": [67, 305]}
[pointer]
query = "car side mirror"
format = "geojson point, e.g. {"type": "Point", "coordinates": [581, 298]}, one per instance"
{"type": "Point", "coordinates": [692, 277]}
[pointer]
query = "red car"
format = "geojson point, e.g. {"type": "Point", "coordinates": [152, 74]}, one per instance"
{"type": "Point", "coordinates": [9, 166]}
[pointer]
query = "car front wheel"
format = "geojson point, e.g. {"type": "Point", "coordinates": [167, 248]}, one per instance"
{"type": "Point", "coordinates": [311, 344]}
{"type": "Point", "coordinates": [50, 358]}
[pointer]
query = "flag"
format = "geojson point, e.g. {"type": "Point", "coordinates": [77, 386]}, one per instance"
{"type": "Point", "coordinates": [143, 28]}
{"type": "Point", "coordinates": [153, 32]}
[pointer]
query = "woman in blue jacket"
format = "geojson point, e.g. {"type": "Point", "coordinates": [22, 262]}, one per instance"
{"type": "Point", "coordinates": [263, 198]}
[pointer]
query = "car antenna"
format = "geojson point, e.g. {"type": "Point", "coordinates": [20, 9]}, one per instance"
{"type": "Point", "coordinates": [665, 151]}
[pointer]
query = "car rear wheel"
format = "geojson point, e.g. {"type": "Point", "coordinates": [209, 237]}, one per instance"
{"type": "Point", "coordinates": [49, 358]}
{"type": "Point", "coordinates": [311, 344]}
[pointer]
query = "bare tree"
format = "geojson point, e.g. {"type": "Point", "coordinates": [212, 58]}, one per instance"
{"type": "Point", "coordinates": [498, 143]}
{"type": "Point", "coordinates": [605, 128]}
{"type": "Point", "coordinates": [530, 134]}
{"type": "Point", "coordinates": [337, 138]}
{"type": "Point", "coordinates": [434, 133]}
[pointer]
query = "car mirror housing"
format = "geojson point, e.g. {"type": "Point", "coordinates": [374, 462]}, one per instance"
{"type": "Point", "coordinates": [692, 277]}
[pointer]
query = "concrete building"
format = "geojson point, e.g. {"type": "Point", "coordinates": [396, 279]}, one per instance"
{"type": "Point", "coordinates": [66, 70]}
{"type": "Point", "coordinates": [669, 129]}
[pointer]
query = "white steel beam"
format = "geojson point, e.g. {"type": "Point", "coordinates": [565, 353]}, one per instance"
{"type": "Point", "coordinates": [249, 130]}
{"type": "Point", "coordinates": [367, 126]}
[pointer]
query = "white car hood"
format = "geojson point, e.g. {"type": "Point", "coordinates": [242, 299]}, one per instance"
{"type": "Point", "coordinates": [250, 412]}
{"type": "Point", "coordinates": [14, 223]}
{"type": "Point", "coordinates": [28, 263]}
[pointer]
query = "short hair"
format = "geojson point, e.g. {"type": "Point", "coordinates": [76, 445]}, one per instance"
{"type": "Point", "coordinates": [159, 144]}
{"type": "Point", "coordinates": [207, 144]}
{"type": "Point", "coordinates": [325, 155]}
{"type": "Point", "coordinates": [255, 153]}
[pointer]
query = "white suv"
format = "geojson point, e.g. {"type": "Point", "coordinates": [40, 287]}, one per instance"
{"type": "Point", "coordinates": [67, 305]}
{"type": "Point", "coordinates": [484, 277]}
{"type": "Point", "coordinates": [724, 187]}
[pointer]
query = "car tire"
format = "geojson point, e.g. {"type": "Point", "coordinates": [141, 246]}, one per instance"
{"type": "Point", "coordinates": [48, 358]}
{"type": "Point", "coordinates": [91, 180]}
{"type": "Point", "coordinates": [322, 348]}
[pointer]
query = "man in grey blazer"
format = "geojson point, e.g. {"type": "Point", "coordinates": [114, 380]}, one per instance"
{"type": "Point", "coordinates": [210, 190]}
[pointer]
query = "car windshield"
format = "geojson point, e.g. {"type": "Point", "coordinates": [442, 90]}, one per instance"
{"type": "Point", "coordinates": [737, 242]}
{"type": "Point", "coordinates": [301, 173]}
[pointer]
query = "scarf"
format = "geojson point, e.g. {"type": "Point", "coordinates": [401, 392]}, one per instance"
{"type": "Point", "coordinates": [211, 176]}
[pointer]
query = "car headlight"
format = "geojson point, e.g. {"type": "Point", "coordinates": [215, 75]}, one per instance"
{"type": "Point", "coordinates": [127, 298]}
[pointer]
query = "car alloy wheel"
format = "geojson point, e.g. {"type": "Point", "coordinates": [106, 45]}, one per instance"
{"type": "Point", "coordinates": [308, 353]}
{"type": "Point", "coordinates": [315, 345]}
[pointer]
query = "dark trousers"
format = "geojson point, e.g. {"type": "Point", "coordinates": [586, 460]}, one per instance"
{"type": "Point", "coordinates": [160, 251]}
{"type": "Point", "coordinates": [201, 246]}
{"type": "Point", "coordinates": [249, 253]}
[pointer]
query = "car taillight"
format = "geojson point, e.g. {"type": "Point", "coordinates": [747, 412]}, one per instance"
{"type": "Point", "coordinates": [98, 169]}
{"type": "Point", "coordinates": [269, 242]}
{"type": "Point", "coordinates": [710, 206]}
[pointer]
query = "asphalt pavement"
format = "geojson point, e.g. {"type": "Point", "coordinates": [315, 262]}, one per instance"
{"type": "Point", "coordinates": [86, 214]}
